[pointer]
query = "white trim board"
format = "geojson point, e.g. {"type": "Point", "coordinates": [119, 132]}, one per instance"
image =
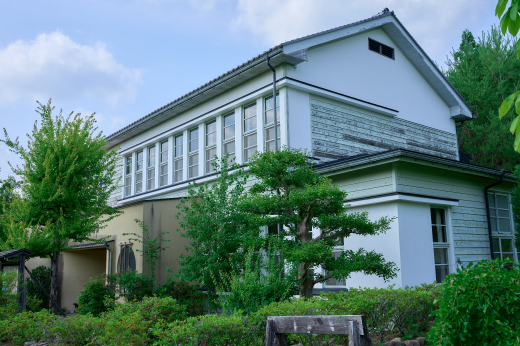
{"type": "Point", "coordinates": [399, 197]}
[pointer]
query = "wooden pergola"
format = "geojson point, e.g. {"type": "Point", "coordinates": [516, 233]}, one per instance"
{"type": "Point", "coordinates": [17, 258]}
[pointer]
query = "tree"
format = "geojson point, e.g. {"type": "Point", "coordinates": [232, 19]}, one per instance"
{"type": "Point", "coordinates": [8, 189]}
{"type": "Point", "coordinates": [68, 176]}
{"type": "Point", "coordinates": [484, 72]}
{"type": "Point", "coordinates": [219, 233]}
{"type": "Point", "coordinates": [290, 192]}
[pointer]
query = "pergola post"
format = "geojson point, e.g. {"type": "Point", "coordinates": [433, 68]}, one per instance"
{"type": "Point", "coordinates": [22, 288]}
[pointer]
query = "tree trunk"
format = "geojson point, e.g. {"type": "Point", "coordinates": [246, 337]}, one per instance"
{"type": "Point", "coordinates": [55, 288]}
{"type": "Point", "coordinates": [306, 285]}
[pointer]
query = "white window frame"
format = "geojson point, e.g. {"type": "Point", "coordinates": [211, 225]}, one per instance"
{"type": "Point", "coordinates": [139, 171]}
{"type": "Point", "coordinates": [250, 132]}
{"type": "Point", "coordinates": [193, 153]}
{"type": "Point", "coordinates": [442, 245]}
{"type": "Point", "coordinates": [270, 125]}
{"type": "Point", "coordinates": [209, 159]}
{"type": "Point", "coordinates": [230, 139]}
{"type": "Point", "coordinates": [163, 165]}
{"type": "Point", "coordinates": [150, 174]}
{"type": "Point", "coordinates": [178, 158]}
{"type": "Point", "coordinates": [128, 175]}
{"type": "Point", "coordinates": [493, 213]}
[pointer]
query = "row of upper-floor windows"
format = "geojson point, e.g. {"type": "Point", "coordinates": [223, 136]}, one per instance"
{"type": "Point", "coordinates": [198, 159]}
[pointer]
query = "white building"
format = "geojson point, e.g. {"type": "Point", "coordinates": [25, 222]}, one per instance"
{"type": "Point", "coordinates": [369, 103]}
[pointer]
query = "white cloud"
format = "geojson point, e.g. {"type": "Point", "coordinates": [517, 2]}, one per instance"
{"type": "Point", "coordinates": [106, 123]}
{"type": "Point", "coordinates": [433, 23]}
{"type": "Point", "coordinates": [54, 65]}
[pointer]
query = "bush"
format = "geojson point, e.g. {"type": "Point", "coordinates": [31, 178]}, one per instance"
{"type": "Point", "coordinates": [8, 304]}
{"type": "Point", "coordinates": [27, 326]}
{"type": "Point", "coordinates": [184, 294]}
{"type": "Point", "coordinates": [96, 297]}
{"type": "Point", "coordinates": [43, 275]}
{"type": "Point", "coordinates": [134, 286]}
{"type": "Point", "coordinates": [480, 305]}
{"type": "Point", "coordinates": [78, 330]}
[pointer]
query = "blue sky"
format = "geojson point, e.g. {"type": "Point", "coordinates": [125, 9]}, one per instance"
{"type": "Point", "coordinates": [124, 59]}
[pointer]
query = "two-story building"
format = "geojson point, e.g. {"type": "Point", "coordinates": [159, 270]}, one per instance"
{"type": "Point", "coordinates": [375, 111]}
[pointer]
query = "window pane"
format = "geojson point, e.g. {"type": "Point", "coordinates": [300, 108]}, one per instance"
{"type": "Point", "coordinates": [211, 127]}
{"type": "Point", "coordinates": [250, 111]}
{"type": "Point", "coordinates": [502, 202]}
{"type": "Point", "coordinates": [177, 176]}
{"type": "Point", "coordinates": [128, 191]}
{"type": "Point", "coordinates": [193, 160]}
{"type": "Point", "coordinates": [194, 140]}
{"type": "Point", "coordinates": [210, 154]}
{"type": "Point", "coordinates": [507, 255]}
{"type": "Point", "coordinates": [439, 234]}
{"type": "Point", "coordinates": [229, 131]}
{"type": "Point", "coordinates": [249, 124]}
{"type": "Point", "coordinates": [498, 255]}
{"type": "Point", "coordinates": [502, 213]}
{"type": "Point", "coordinates": [128, 165]}
{"type": "Point", "coordinates": [250, 140]}
{"type": "Point", "coordinates": [151, 184]}
{"type": "Point", "coordinates": [193, 171]}
{"type": "Point", "coordinates": [211, 139]}
{"type": "Point", "coordinates": [491, 199]}
{"type": "Point", "coordinates": [163, 180]}
{"type": "Point", "coordinates": [272, 230]}
{"type": "Point", "coordinates": [440, 273]}
{"type": "Point", "coordinates": [193, 168]}
{"type": "Point", "coordinates": [151, 156]}
{"type": "Point", "coordinates": [437, 216]}
{"type": "Point", "coordinates": [507, 245]}
{"type": "Point", "coordinates": [139, 163]}
{"type": "Point", "coordinates": [164, 152]}
{"type": "Point", "coordinates": [178, 164]}
{"type": "Point", "coordinates": [493, 224]}
{"type": "Point", "coordinates": [229, 119]}
{"type": "Point", "coordinates": [496, 244]}
{"type": "Point", "coordinates": [269, 104]}
{"type": "Point", "coordinates": [248, 153]}
{"type": "Point", "coordinates": [504, 225]}
{"type": "Point", "coordinates": [178, 140]}
{"type": "Point", "coordinates": [441, 255]}
{"type": "Point", "coordinates": [178, 151]}
{"type": "Point", "coordinates": [229, 147]}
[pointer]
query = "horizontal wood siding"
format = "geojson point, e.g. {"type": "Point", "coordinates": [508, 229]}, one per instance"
{"type": "Point", "coordinates": [118, 178]}
{"type": "Point", "coordinates": [470, 233]}
{"type": "Point", "coordinates": [367, 182]}
{"type": "Point", "coordinates": [339, 131]}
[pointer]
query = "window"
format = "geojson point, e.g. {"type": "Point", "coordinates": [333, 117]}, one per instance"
{"type": "Point", "coordinates": [177, 163]}
{"type": "Point", "coordinates": [128, 175]}
{"type": "Point", "coordinates": [380, 48]}
{"type": "Point", "coordinates": [193, 157]}
{"type": "Point", "coordinates": [163, 169]}
{"type": "Point", "coordinates": [334, 282]}
{"type": "Point", "coordinates": [269, 122]}
{"type": "Point", "coordinates": [503, 248]}
{"type": "Point", "coordinates": [151, 168]}
{"type": "Point", "coordinates": [139, 172]}
{"type": "Point", "coordinates": [211, 145]}
{"type": "Point", "coordinates": [499, 213]}
{"type": "Point", "coordinates": [249, 131]}
{"type": "Point", "coordinates": [229, 136]}
{"type": "Point", "coordinates": [126, 259]}
{"type": "Point", "coordinates": [440, 243]}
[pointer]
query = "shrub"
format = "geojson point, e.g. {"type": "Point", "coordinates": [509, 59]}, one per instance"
{"type": "Point", "coordinates": [153, 309]}
{"type": "Point", "coordinates": [94, 297]}
{"type": "Point", "coordinates": [8, 304]}
{"type": "Point", "coordinates": [480, 305]}
{"type": "Point", "coordinates": [43, 275]}
{"type": "Point", "coordinates": [184, 294]}
{"type": "Point", "coordinates": [78, 330]}
{"type": "Point", "coordinates": [27, 326]}
{"type": "Point", "coordinates": [134, 286]}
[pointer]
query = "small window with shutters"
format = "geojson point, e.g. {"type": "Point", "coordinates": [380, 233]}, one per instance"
{"type": "Point", "coordinates": [380, 48]}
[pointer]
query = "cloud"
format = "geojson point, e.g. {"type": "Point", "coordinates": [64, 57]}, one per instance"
{"type": "Point", "coordinates": [107, 123]}
{"type": "Point", "coordinates": [433, 23]}
{"type": "Point", "coordinates": [54, 65]}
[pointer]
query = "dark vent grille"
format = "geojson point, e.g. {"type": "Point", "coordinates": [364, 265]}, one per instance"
{"type": "Point", "coordinates": [380, 48]}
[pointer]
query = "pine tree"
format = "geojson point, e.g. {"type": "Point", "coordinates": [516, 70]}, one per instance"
{"type": "Point", "coordinates": [68, 176]}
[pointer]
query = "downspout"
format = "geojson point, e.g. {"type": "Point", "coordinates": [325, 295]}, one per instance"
{"type": "Point", "coordinates": [487, 213]}
{"type": "Point", "coordinates": [109, 258]}
{"type": "Point", "coordinates": [275, 120]}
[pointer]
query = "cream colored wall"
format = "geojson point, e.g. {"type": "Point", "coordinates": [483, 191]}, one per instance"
{"type": "Point", "coordinates": [80, 266]}
{"type": "Point", "coordinates": [36, 262]}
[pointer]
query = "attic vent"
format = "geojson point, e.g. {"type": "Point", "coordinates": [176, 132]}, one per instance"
{"type": "Point", "coordinates": [380, 48]}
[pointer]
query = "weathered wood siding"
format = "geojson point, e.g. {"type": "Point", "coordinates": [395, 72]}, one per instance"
{"type": "Point", "coordinates": [339, 131]}
{"type": "Point", "coordinates": [118, 193]}
{"type": "Point", "coordinates": [470, 234]}
{"type": "Point", "coordinates": [367, 182]}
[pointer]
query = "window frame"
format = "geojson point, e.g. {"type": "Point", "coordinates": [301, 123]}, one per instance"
{"type": "Point", "coordinates": [269, 126]}
{"type": "Point", "coordinates": [139, 171]}
{"type": "Point", "coordinates": [230, 139]}
{"type": "Point", "coordinates": [499, 250]}
{"type": "Point", "coordinates": [442, 245]}
{"type": "Point", "coordinates": [177, 158]}
{"type": "Point", "coordinates": [193, 153]}
{"type": "Point", "coordinates": [209, 147]}
{"type": "Point", "coordinates": [249, 132]}
{"type": "Point", "coordinates": [162, 164]}
{"type": "Point", "coordinates": [150, 168]}
{"type": "Point", "coordinates": [497, 217]}
{"type": "Point", "coordinates": [128, 175]}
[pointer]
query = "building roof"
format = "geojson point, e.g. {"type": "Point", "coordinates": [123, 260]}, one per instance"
{"type": "Point", "coordinates": [10, 254]}
{"type": "Point", "coordinates": [289, 52]}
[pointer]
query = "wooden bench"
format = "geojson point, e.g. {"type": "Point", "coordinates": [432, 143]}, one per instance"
{"type": "Point", "coordinates": [352, 325]}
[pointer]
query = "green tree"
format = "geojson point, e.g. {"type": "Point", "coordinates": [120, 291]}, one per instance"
{"type": "Point", "coordinates": [218, 231]}
{"type": "Point", "coordinates": [290, 192]}
{"type": "Point", "coordinates": [8, 189]}
{"type": "Point", "coordinates": [484, 72]}
{"type": "Point", "coordinates": [68, 176]}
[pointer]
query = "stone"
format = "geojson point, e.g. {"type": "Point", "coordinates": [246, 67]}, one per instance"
{"type": "Point", "coordinates": [412, 343]}
{"type": "Point", "coordinates": [422, 341]}
{"type": "Point", "coordinates": [394, 342]}
{"type": "Point", "coordinates": [36, 344]}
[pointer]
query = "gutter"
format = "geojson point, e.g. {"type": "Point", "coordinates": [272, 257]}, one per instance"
{"type": "Point", "coordinates": [487, 212]}
{"type": "Point", "coordinates": [109, 258]}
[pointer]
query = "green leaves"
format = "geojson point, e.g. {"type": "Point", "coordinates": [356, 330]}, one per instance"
{"type": "Point", "coordinates": [500, 8]}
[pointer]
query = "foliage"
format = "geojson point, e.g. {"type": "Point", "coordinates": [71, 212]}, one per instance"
{"type": "Point", "coordinates": [68, 176]}
{"type": "Point", "coordinates": [134, 286]}
{"type": "Point", "coordinates": [43, 275]}
{"type": "Point", "coordinates": [8, 303]}
{"type": "Point", "coordinates": [27, 326]}
{"type": "Point", "coordinates": [152, 248]}
{"type": "Point", "coordinates": [78, 330]}
{"type": "Point", "coordinates": [185, 294]}
{"type": "Point", "coordinates": [515, 201]}
{"type": "Point", "coordinates": [94, 297]}
{"type": "Point", "coordinates": [7, 192]}
{"type": "Point", "coordinates": [480, 305]}
{"type": "Point", "coordinates": [484, 72]}
{"type": "Point", "coordinates": [219, 233]}
{"type": "Point", "coordinates": [264, 280]}
{"type": "Point", "coordinates": [308, 200]}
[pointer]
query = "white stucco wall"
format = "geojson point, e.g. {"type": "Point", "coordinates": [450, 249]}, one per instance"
{"type": "Point", "coordinates": [349, 67]}
{"type": "Point", "coordinates": [299, 119]}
